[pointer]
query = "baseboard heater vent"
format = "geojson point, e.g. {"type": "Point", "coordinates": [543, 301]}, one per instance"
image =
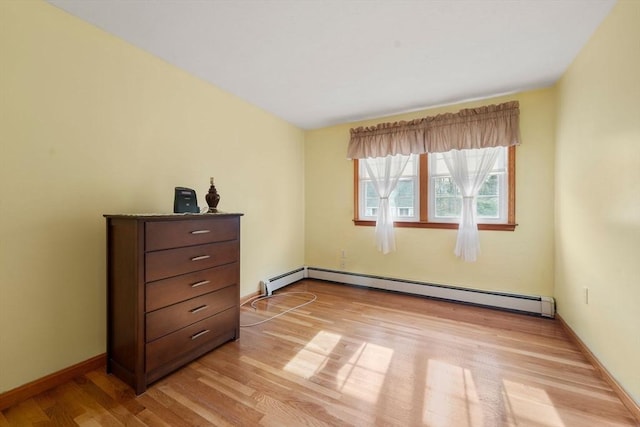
{"type": "Point", "coordinates": [275, 283]}
{"type": "Point", "coordinates": [536, 305]}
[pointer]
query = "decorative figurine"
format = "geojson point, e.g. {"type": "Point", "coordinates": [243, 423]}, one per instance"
{"type": "Point", "coordinates": [212, 198]}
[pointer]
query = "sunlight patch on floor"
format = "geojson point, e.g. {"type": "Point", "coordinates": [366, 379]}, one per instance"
{"type": "Point", "coordinates": [450, 396]}
{"type": "Point", "coordinates": [313, 357]}
{"type": "Point", "coordinates": [528, 404]}
{"type": "Point", "coordinates": [360, 373]}
{"type": "Point", "coordinates": [363, 375]}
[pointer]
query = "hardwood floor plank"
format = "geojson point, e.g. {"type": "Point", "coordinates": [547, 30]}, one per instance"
{"type": "Point", "coordinates": [154, 406]}
{"type": "Point", "coordinates": [182, 397]}
{"type": "Point", "coordinates": [55, 409]}
{"type": "Point", "coordinates": [122, 414]}
{"type": "Point", "coordinates": [3, 420]}
{"type": "Point", "coordinates": [25, 413]}
{"type": "Point", "coordinates": [357, 357]}
{"type": "Point", "coordinates": [232, 410]}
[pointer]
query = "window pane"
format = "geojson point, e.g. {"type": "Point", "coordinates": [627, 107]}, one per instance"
{"type": "Point", "coordinates": [490, 186]}
{"type": "Point", "coordinates": [410, 170]}
{"type": "Point", "coordinates": [488, 201]}
{"type": "Point", "coordinates": [445, 186]}
{"type": "Point", "coordinates": [448, 207]}
{"type": "Point", "coordinates": [402, 199]}
{"type": "Point", "coordinates": [487, 207]}
{"type": "Point", "coordinates": [447, 198]}
{"type": "Point", "coordinates": [438, 165]}
{"type": "Point", "coordinates": [371, 198]}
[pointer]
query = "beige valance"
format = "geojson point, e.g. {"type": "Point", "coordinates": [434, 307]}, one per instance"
{"type": "Point", "coordinates": [489, 126]}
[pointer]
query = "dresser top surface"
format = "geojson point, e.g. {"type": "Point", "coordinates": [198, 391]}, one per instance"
{"type": "Point", "coordinates": [172, 216]}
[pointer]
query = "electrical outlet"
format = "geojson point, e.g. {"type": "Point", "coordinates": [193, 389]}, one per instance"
{"type": "Point", "coordinates": [343, 253]}
{"type": "Point", "coordinates": [586, 295]}
{"type": "Point", "coordinates": [342, 264]}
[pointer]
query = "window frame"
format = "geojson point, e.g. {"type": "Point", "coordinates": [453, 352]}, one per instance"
{"type": "Point", "coordinates": [423, 221]}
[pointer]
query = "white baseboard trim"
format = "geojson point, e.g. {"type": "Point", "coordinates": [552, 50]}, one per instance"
{"type": "Point", "coordinates": [536, 305]}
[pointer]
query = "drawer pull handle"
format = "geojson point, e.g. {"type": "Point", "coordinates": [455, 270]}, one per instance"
{"type": "Point", "coordinates": [204, 282]}
{"type": "Point", "coordinates": [201, 232]}
{"type": "Point", "coordinates": [197, 309]}
{"type": "Point", "coordinates": [199, 334]}
{"type": "Point", "coordinates": [198, 258]}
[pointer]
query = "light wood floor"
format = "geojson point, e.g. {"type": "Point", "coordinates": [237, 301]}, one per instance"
{"type": "Point", "coordinates": [357, 357]}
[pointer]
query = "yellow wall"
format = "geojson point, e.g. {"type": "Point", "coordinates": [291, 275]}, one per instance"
{"type": "Point", "coordinates": [91, 125]}
{"type": "Point", "coordinates": [598, 195]}
{"type": "Point", "coordinates": [519, 262]}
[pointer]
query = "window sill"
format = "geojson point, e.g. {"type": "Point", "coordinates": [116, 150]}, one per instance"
{"type": "Point", "coordinates": [441, 225]}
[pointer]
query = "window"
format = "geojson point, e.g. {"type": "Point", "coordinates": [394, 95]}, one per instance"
{"type": "Point", "coordinates": [427, 196]}
{"type": "Point", "coordinates": [403, 200]}
{"type": "Point", "coordinates": [445, 201]}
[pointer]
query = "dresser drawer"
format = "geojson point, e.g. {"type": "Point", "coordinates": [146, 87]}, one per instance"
{"type": "Point", "coordinates": [169, 319]}
{"type": "Point", "coordinates": [172, 346]}
{"type": "Point", "coordinates": [165, 292]}
{"type": "Point", "coordinates": [174, 234]}
{"type": "Point", "coordinates": [173, 262]}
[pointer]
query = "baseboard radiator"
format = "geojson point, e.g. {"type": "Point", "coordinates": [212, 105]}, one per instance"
{"type": "Point", "coordinates": [535, 305]}
{"type": "Point", "coordinates": [275, 283]}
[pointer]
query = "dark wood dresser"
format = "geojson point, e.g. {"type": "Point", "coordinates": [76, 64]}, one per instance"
{"type": "Point", "coordinates": [173, 291]}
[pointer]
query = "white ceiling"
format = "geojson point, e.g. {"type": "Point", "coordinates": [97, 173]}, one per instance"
{"type": "Point", "coordinates": [316, 63]}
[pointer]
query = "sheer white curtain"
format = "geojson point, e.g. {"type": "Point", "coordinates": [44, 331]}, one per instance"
{"type": "Point", "coordinates": [470, 169]}
{"type": "Point", "coordinates": [385, 173]}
